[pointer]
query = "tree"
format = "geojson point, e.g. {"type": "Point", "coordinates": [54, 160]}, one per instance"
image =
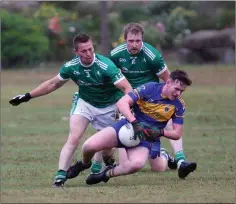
{"type": "Point", "coordinates": [104, 27]}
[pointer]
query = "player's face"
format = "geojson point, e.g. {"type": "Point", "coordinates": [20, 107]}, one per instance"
{"type": "Point", "coordinates": [175, 89]}
{"type": "Point", "coordinates": [86, 52]}
{"type": "Point", "coordinates": [134, 42]}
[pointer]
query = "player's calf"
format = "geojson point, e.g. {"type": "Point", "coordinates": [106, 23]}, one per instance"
{"type": "Point", "coordinates": [108, 160]}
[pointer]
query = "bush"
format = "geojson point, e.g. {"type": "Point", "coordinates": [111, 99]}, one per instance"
{"type": "Point", "coordinates": [23, 40]}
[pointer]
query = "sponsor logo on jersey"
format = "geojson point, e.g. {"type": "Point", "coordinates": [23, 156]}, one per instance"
{"type": "Point", "coordinates": [122, 60]}
{"type": "Point", "coordinates": [76, 73]}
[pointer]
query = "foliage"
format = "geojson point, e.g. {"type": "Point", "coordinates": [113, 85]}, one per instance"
{"type": "Point", "coordinates": [177, 24]}
{"type": "Point", "coordinates": [134, 12]}
{"type": "Point", "coordinates": [160, 7]}
{"type": "Point", "coordinates": [23, 40]}
{"type": "Point", "coordinates": [180, 18]}
{"type": "Point", "coordinates": [226, 18]}
{"type": "Point", "coordinates": [60, 40]}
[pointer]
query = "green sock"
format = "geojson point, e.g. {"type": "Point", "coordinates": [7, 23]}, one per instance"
{"type": "Point", "coordinates": [179, 157]}
{"type": "Point", "coordinates": [61, 174]}
{"type": "Point", "coordinates": [96, 167]}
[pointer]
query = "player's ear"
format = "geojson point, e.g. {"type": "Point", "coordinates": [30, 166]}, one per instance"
{"type": "Point", "coordinates": [168, 81]}
{"type": "Point", "coordinates": [75, 51]}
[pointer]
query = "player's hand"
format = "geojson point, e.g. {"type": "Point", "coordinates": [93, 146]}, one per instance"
{"type": "Point", "coordinates": [15, 101]}
{"type": "Point", "coordinates": [153, 134]}
{"type": "Point", "coordinates": [139, 130]}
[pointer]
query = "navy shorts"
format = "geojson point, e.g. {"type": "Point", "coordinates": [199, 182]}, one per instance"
{"type": "Point", "coordinates": [143, 143]}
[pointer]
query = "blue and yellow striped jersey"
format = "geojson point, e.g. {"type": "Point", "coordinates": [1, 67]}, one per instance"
{"type": "Point", "coordinates": [154, 109]}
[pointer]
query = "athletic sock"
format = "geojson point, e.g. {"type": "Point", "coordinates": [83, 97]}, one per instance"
{"type": "Point", "coordinates": [110, 173]}
{"type": "Point", "coordinates": [96, 167]}
{"type": "Point", "coordinates": [61, 174]}
{"type": "Point", "coordinates": [165, 154]}
{"type": "Point", "coordinates": [179, 157]}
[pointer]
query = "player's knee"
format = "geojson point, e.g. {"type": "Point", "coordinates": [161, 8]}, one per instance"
{"type": "Point", "coordinates": [160, 167]}
{"type": "Point", "coordinates": [73, 140]}
{"type": "Point", "coordinates": [89, 147]}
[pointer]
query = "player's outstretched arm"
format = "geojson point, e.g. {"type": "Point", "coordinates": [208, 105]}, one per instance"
{"type": "Point", "coordinates": [43, 89]}
{"type": "Point", "coordinates": [124, 86]}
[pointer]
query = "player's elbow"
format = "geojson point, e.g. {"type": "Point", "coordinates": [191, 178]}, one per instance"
{"type": "Point", "coordinates": [172, 135]}
{"type": "Point", "coordinates": [178, 136]}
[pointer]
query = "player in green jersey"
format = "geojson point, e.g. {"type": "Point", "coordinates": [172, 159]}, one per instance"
{"type": "Point", "coordinates": [99, 81]}
{"type": "Point", "coordinates": [141, 63]}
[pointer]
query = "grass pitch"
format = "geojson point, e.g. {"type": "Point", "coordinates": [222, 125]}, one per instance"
{"type": "Point", "coordinates": [33, 133]}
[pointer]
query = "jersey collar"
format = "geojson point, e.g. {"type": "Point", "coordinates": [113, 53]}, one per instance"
{"type": "Point", "coordinates": [137, 53]}
{"type": "Point", "coordinates": [89, 65]}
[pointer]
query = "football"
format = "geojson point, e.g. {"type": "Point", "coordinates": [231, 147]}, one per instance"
{"type": "Point", "coordinates": [126, 136]}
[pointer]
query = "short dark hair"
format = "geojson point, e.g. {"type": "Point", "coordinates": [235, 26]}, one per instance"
{"type": "Point", "coordinates": [181, 76]}
{"type": "Point", "coordinates": [133, 28]}
{"type": "Point", "coordinates": [80, 38]}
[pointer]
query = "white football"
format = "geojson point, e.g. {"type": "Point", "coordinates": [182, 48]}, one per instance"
{"type": "Point", "coordinates": [126, 136]}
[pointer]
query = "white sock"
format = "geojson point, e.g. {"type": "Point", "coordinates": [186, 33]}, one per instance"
{"type": "Point", "coordinates": [179, 162]}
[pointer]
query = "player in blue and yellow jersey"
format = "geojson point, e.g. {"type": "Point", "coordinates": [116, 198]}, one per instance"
{"type": "Point", "coordinates": [100, 85]}
{"type": "Point", "coordinates": [154, 104]}
{"type": "Point", "coordinates": [140, 63]}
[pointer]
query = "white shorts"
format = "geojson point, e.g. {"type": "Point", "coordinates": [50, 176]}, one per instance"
{"type": "Point", "coordinates": [99, 117]}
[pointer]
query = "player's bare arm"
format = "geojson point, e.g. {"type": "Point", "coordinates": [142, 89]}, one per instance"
{"type": "Point", "coordinates": [164, 75]}
{"type": "Point", "coordinates": [124, 107]}
{"type": "Point", "coordinates": [124, 86]}
{"type": "Point", "coordinates": [47, 87]}
{"type": "Point", "coordinates": [174, 134]}
{"type": "Point", "coordinates": [43, 89]}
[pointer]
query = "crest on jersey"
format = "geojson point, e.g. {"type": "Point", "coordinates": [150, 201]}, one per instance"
{"type": "Point", "coordinates": [133, 60]}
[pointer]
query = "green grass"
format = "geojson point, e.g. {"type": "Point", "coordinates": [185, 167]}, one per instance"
{"type": "Point", "coordinates": [33, 134]}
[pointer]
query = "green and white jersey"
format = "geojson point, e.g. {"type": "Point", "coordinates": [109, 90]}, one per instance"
{"type": "Point", "coordinates": [141, 68]}
{"type": "Point", "coordinates": [96, 81]}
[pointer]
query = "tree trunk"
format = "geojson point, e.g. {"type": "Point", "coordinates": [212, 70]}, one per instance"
{"type": "Point", "coordinates": [104, 27]}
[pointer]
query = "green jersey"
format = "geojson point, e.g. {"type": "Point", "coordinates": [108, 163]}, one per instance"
{"type": "Point", "coordinates": [140, 68]}
{"type": "Point", "coordinates": [96, 81]}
